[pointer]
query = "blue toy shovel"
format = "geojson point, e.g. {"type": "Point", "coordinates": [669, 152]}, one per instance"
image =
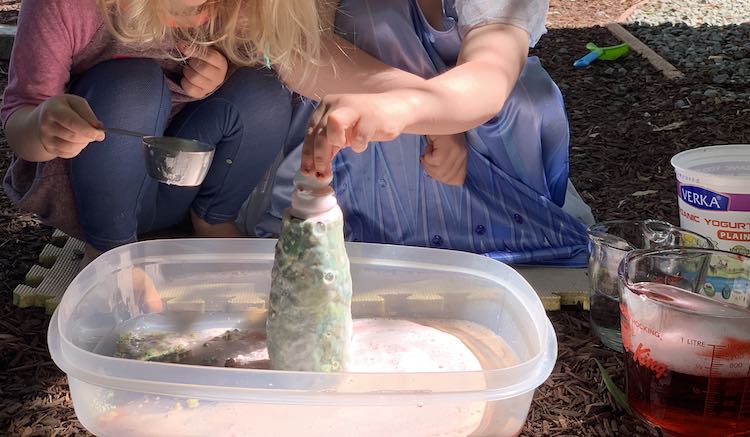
{"type": "Point", "coordinates": [603, 53]}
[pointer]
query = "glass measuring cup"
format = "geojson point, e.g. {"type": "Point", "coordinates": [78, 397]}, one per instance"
{"type": "Point", "coordinates": [687, 351]}
{"type": "Point", "coordinates": [609, 242]}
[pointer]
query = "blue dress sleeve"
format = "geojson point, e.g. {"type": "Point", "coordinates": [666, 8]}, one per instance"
{"type": "Point", "coordinates": [529, 15]}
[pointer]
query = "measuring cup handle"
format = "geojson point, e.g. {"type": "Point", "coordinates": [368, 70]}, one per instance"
{"type": "Point", "coordinates": [129, 133]}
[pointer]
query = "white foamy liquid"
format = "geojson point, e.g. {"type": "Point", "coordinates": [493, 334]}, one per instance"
{"type": "Point", "coordinates": [681, 329]}
{"type": "Point", "coordinates": [380, 345]}
{"type": "Point", "coordinates": [690, 302]}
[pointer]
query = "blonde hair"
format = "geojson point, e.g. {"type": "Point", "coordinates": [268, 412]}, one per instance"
{"type": "Point", "coordinates": [282, 33]}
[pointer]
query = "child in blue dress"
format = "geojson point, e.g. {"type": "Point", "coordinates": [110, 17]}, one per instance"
{"type": "Point", "coordinates": [471, 155]}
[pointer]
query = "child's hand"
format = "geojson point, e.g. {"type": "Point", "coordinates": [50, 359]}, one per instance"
{"type": "Point", "coordinates": [204, 73]}
{"type": "Point", "coordinates": [146, 294]}
{"type": "Point", "coordinates": [350, 120]}
{"type": "Point", "coordinates": [445, 158]}
{"type": "Point", "coordinates": [66, 124]}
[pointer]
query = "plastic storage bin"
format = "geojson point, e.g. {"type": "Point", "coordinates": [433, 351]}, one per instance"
{"type": "Point", "coordinates": [224, 283]}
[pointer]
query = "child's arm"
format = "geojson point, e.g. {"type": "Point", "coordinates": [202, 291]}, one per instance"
{"type": "Point", "coordinates": [60, 127]}
{"type": "Point", "coordinates": [345, 69]}
{"type": "Point", "coordinates": [41, 122]}
{"type": "Point", "coordinates": [460, 99]}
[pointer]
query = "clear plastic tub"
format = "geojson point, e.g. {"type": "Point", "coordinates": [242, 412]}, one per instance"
{"type": "Point", "coordinates": [224, 284]}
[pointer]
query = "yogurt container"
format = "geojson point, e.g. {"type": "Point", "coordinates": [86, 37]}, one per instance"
{"type": "Point", "coordinates": [713, 191]}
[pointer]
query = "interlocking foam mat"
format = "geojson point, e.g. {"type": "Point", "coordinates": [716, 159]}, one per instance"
{"type": "Point", "coordinates": [58, 262]}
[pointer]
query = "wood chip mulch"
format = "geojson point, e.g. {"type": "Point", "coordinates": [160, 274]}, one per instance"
{"type": "Point", "coordinates": [624, 130]}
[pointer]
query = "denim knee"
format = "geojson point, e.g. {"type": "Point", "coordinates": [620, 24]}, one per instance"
{"type": "Point", "coordinates": [121, 91]}
{"type": "Point", "coordinates": [109, 180]}
{"type": "Point", "coordinates": [255, 94]}
{"type": "Point", "coordinates": [248, 118]}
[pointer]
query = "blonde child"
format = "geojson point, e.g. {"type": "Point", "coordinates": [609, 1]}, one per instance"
{"type": "Point", "coordinates": [186, 68]}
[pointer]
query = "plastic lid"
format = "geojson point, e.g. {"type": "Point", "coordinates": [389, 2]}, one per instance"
{"type": "Point", "coordinates": [730, 160]}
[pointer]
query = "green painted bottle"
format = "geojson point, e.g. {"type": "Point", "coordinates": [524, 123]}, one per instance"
{"type": "Point", "coordinates": [309, 326]}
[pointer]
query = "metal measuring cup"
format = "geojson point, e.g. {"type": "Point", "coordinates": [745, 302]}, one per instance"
{"type": "Point", "coordinates": [172, 160]}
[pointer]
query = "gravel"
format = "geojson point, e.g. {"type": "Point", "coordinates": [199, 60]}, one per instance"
{"type": "Point", "coordinates": [693, 12]}
{"type": "Point", "coordinates": [706, 38]}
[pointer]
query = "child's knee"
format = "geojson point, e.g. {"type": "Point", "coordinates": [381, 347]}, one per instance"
{"type": "Point", "coordinates": [262, 86]}
{"type": "Point", "coordinates": [256, 98]}
{"type": "Point", "coordinates": [123, 85]}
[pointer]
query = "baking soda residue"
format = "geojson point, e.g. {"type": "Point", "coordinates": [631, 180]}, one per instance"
{"type": "Point", "coordinates": [378, 345]}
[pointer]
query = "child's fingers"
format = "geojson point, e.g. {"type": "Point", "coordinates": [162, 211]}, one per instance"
{"type": "Point", "coordinates": [430, 148]}
{"type": "Point", "coordinates": [322, 149]}
{"type": "Point", "coordinates": [432, 171]}
{"type": "Point", "coordinates": [210, 72]}
{"type": "Point", "coordinates": [307, 164]}
{"type": "Point", "coordinates": [82, 108]}
{"type": "Point", "coordinates": [307, 167]}
{"type": "Point", "coordinates": [147, 295]}
{"type": "Point", "coordinates": [457, 172]}
{"type": "Point", "coordinates": [338, 123]}
{"type": "Point", "coordinates": [331, 133]}
{"type": "Point", "coordinates": [71, 121]}
{"type": "Point", "coordinates": [452, 172]}
{"type": "Point", "coordinates": [334, 151]}
{"type": "Point", "coordinates": [64, 149]}
{"type": "Point", "coordinates": [209, 59]}
{"type": "Point", "coordinates": [198, 79]}
{"type": "Point", "coordinates": [187, 50]}
{"type": "Point", "coordinates": [80, 119]}
{"type": "Point", "coordinates": [433, 154]}
{"type": "Point", "coordinates": [59, 131]}
{"type": "Point", "coordinates": [361, 135]}
{"type": "Point", "coordinates": [192, 89]}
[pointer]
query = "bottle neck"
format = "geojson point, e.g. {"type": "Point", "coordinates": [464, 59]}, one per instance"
{"type": "Point", "coordinates": [312, 198]}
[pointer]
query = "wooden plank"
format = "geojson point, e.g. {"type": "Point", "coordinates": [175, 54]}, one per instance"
{"type": "Point", "coordinates": [58, 265]}
{"type": "Point", "coordinates": [7, 37]}
{"type": "Point", "coordinates": [558, 286]}
{"type": "Point", "coordinates": [661, 64]}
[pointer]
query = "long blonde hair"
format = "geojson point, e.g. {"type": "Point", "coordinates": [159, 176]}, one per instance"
{"type": "Point", "coordinates": [282, 33]}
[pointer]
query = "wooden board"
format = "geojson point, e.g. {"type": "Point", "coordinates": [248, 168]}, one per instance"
{"type": "Point", "coordinates": [557, 287]}
{"type": "Point", "coordinates": [668, 70]}
{"type": "Point", "coordinates": [7, 37]}
{"type": "Point", "coordinates": [58, 264]}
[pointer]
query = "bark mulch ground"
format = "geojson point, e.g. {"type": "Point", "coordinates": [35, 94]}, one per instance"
{"type": "Point", "coordinates": [9, 11]}
{"type": "Point", "coordinates": [624, 129]}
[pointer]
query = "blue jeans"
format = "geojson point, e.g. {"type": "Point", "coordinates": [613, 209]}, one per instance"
{"type": "Point", "coordinates": [247, 119]}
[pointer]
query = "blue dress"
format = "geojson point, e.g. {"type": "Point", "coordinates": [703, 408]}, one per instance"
{"type": "Point", "coordinates": [512, 204]}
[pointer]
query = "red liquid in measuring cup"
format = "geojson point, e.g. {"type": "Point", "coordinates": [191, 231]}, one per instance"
{"type": "Point", "coordinates": [684, 405]}
{"type": "Point", "coordinates": [679, 403]}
